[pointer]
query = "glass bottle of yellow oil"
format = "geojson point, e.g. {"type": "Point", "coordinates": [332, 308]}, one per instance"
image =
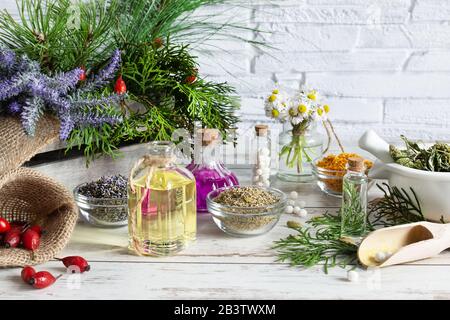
{"type": "Point", "coordinates": [162, 203]}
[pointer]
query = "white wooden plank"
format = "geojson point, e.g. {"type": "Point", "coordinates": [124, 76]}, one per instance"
{"type": "Point", "coordinates": [231, 281]}
{"type": "Point", "coordinates": [211, 246]}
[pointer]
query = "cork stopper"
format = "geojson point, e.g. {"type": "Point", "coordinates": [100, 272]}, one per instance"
{"type": "Point", "coordinates": [209, 136]}
{"type": "Point", "coordinates": [356, 164]}
{"type": "Point", "coordinates": [261, 130]}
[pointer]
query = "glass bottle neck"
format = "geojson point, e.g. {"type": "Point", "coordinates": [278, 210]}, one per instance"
{"type": "Point", "coordinates": [208, 155]}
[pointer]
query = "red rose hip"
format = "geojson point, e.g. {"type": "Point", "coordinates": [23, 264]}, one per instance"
{"type": "Point", "coordinates": [77, 261]}
{"type": "Point", "coordinates": [31, 240]}
{"type": "Point", "coordinates": [27, 273]}
{"type": "Point", "coordinates": [38, 229]}
{"type": "Point", "coordinates": [12, 238]}
{"type": "Point", "coordinates": [42, 279]}
{"type": "Point", "coordinates": [4, 225]}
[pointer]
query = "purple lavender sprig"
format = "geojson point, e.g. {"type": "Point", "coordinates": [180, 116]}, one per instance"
{"type": "Point", "coordinates": [106, 74]}
{"type": "Point", "coordinates": [94, 101]}
{"type": "Point", "coordinates": [65, 81]}
{"type": "Point", "coordinates": [32, 110]}
{"type": "Point", "coordinates": [27, 92]}
{"type": "Point", "coordinates": [95, 120]}
{"type": "Point", "coordinates": [7, 59]}
{"type": "Point", "coordinates": [14, 107]}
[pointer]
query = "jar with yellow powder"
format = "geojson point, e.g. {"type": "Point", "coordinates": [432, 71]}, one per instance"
{"type": "Point", "coordinates": [331, 169]}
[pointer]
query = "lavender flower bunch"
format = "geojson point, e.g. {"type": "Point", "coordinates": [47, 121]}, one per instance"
{"type": "Point", "coordinates": [28, 93]}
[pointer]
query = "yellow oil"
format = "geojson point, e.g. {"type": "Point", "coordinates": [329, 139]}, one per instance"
{"type": "Point", "coordinates": [163, 217]}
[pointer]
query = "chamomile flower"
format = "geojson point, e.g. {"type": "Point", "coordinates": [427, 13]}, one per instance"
{"type": "Point", "coordinates": [312, 95]}
{"type": "Point", "coordinates": [303, 108]}
{"type": "Point", "coordinates": [293, 112]}
{"type": "Point", "coordinates": [320, 114]}
{"type": "Point", "coordinates": [296, 120]}
{"type": "Point", "coordinates": [277, 105]}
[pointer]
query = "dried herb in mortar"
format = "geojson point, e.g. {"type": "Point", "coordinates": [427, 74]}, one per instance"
{"type": "Point", "coordinates": [435, 158]}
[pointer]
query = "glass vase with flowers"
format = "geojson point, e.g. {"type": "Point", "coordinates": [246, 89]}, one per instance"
{"type": "Point", "coordinates": [300, 142]}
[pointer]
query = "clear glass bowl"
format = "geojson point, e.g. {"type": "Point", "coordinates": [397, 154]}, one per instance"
{"type": "Point", "coordinates": [102, 212]}
{"type": "Point", "coordinates": [329, 181]}
{"type": "Point", "coordinates": [246, 221]}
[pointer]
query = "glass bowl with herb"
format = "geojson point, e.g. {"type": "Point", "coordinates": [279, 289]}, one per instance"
{"type": "Point", "coordinates": [246, 211]}
{"type": "Point", "coordinates": [103, 202]}
{"type": "Point", "coordinates": [330, 170]}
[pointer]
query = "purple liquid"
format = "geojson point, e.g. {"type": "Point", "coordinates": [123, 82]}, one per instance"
{"type": "Point", "coordinates": [208, 179]}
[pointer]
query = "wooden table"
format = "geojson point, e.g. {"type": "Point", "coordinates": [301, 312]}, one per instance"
{"type": "Point", "coordinates": [216, 266]}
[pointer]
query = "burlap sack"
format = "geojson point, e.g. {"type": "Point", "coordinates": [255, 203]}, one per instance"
{"type": "Point", "coordinates": [27, 195]}
{"type": "Point", "coordinates": [16, 146]}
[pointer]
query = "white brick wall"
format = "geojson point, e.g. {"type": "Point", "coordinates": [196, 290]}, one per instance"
{"type": "Point", "coordinates": [383, 64]}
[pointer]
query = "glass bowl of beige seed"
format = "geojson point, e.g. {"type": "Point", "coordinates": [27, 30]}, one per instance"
{"type": "Point", "coordinates": [246, 211]}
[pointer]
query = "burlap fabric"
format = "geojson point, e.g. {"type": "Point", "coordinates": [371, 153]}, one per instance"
{"type": "Point", "coordinates": [27, 195]}
{"type": "Point", "coordinates": [16, 146]}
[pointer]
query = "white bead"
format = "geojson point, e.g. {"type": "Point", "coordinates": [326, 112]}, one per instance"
{"type": "Point", "coordinates": [302, 203]}
{"type": "Point", "coordinates": [266, 176]}
{"type": "Point", "coordinates": [289, 209]}
{"type": "Point", "coordinates": [303, 213]}
{"type": "Point", "coordinates": [380, 257]}
{"type": "Point", "coordinates": [263, 163]}
{"type": "Point", "coordinates": [352, 276]}
{"type": "Point", "coordinates": [293, 195]}
{"type": "Point", "coordinates": [258, 172]}
{"type": "Point", "coordinates": [291, 202]}
{"type": "Point", "coordinates": [297, 209]}
{"type": "Point", "coordinates": [264, 151]}
{"type": "Point", "coordinates": [260, 184]}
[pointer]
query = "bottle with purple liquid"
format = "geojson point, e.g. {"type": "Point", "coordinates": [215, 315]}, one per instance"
{"type": "Point", "coordinates": [209, 172]}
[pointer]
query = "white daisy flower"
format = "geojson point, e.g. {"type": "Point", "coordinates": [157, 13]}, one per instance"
{"type": "Point", "coordinates": [296, 120]}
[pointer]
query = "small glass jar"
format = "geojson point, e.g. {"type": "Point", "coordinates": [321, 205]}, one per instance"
{"type": "Point", "coordinates": [261, 156]}
{"type": "Point", "coordinates": [354, 199]}
{"type": "Point", "coordinates": [209, 172]}
{"type": "Point", "coordinates": [297, 151]}
{"type": "Point", "coordinates": [161, 202]}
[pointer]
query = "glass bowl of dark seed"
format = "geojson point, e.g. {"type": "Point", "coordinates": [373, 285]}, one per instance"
{"type": "Point", "coordinates": [103, 202]}
{"type": "Point", "coordinates": [246, 211]}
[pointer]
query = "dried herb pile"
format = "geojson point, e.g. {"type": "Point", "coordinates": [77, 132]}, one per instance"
{"type": "Point", "coordinates": [241, 221]}
{"type": "Point", "coordinates": [435, 158]}
{"type": "Point", "coordinates": [246, 197]}
{"type": "Point", "coordinates": [112, 187]}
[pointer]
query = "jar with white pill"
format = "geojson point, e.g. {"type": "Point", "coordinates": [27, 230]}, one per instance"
{"type": "Point", "coordinates": [261, 157]}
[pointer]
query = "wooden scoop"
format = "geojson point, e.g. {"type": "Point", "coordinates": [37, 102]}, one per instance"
{"type": "Point", "coordinates": [404, 243]}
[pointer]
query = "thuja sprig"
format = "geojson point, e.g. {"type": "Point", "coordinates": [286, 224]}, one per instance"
{"type": "Point", "coordinates": [321, 241]}
{"type": "Point", "coordinates": [397, 206]}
